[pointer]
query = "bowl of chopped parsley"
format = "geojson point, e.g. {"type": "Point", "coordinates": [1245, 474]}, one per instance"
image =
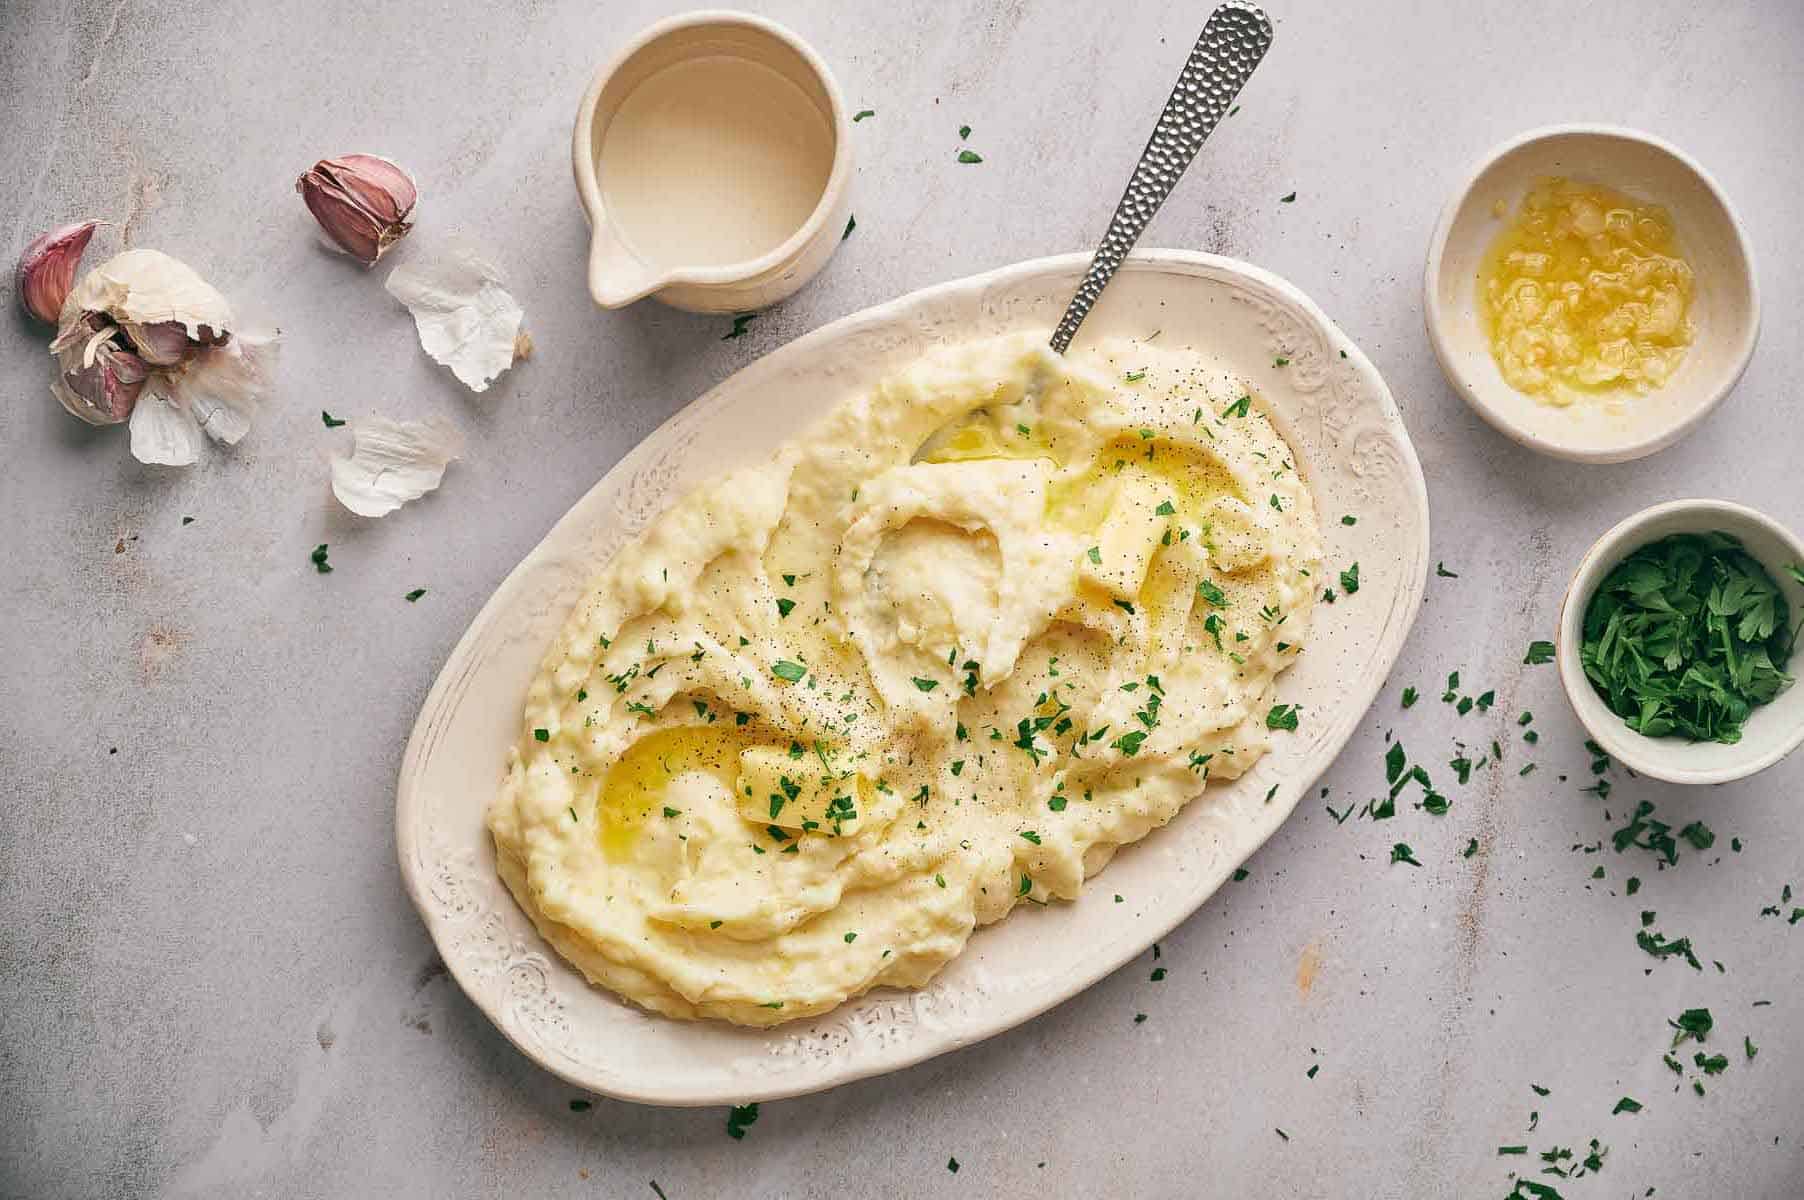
{"type": "Point", "coordinates": [1677, 641]}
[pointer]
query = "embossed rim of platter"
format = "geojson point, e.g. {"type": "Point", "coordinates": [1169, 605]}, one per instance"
{"type": "Point", "coordinates": [1349, 438]}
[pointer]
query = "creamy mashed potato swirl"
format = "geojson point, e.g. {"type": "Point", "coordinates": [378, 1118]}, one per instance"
{"type": "Point", "coordinates": [939, 656]}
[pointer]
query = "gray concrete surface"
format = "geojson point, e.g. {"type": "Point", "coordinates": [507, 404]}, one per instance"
{"type": "Point", "coordinates": [211, 983]}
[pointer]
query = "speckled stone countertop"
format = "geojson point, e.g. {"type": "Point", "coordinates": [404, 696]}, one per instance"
{"type": "Point", "coordinates": [211, 983]}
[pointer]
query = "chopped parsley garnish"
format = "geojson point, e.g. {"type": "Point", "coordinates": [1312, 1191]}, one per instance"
{"type": "Point", "coordinates": [739, 323]}
{"type": "Point", "coordinates": [579, 1105]}
{"type": "Point", "coordinates": [1134, 376]}
{"type": "Point", "coordinates": [1289, 199]}
{"type": "Point", "coordinates": [1686, 637]}
{"type": "Point", "coordinates": [1441, 570]}
{"type": "Point", "coordinates": [414, 595]}
{"type": "Point", "coordinates": [789, 671]}
{"type": "Point", "coordinates": [1409, 696]}
{"type": "Point", "coordinates": [1394, 762]}
{"type": "Point", "coordinates": [1165, 509]}
{"type": "Point", "coordinates": [785, 606]}
{"type": "Point", "coordinates": [952, 1165]}
{"type": "Point", "coordinates": [940, 880]}
{"type": "Point", "coordinates": [851, 224]}
{"type": "Point", "coordinates": [331, 421]}
{"type": "Point", "coordinates": [1212, 594]}
{"type": "Point", "coordinates": [1627, 1104]}
{"type": "Point", "coordinates": [862, 113]}
{"type": "Point", "coordinates": [1349, 579]}
{"type": "Point", "coordinates": [1129, 743]}
{"type": "Point", "coordinates": [1401, 853]}
{"type": "Point", "coordinates": [1699, 835]}
{"type": "Point", "coordinates": [1094, 553]}
{"type": "Point", "coordinates": [1239, 408]}
{"type": "Point", "coordinates": [318, 558]}
{"type": "Point", "coordinates": [1280, 362]}
{"type": "Point", "coordinates": [1656, 944]}
{"type": "Point", "coordinates": [1692, 1023]}
{"type": "Point", "coordinates": [1031, 836]}
{"type": "Point", "coordinates": [926, 685]}
{"type": "Point", "coordinates": [968, 156]}
{"type": "Point", "coordinates": [964, 131]}
{"type": "Point", "coordinates": [542, 735]}
{"type": "Point", "coordinates": [851, 937]}
{"type": "Point", "coordinates": [743, 1115]}
{"type": "Point", "coordinates": [1027, 885]}
{"type": "Point", "coordinates": [1349, 519]}
{"type": "Point", "coordinates": [1282, 716]}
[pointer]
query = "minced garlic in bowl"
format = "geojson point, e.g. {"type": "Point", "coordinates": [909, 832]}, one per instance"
{"type": "Point", "coordinates": [1585, 294]}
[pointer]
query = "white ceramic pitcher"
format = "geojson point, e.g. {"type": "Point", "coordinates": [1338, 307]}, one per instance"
{"type": "Point", "coordinates": [620, 274]}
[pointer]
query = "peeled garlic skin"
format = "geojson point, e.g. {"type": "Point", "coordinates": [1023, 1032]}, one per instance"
{"type": "Point", "coordinates": [362, 201]}
{"type": "Point", "coordinates": [47, 269]}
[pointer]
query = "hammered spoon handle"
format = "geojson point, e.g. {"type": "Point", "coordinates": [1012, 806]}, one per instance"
{"type": "Point", "coordinates": [1232, 44]}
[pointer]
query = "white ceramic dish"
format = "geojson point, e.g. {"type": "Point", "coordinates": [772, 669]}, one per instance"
{"type": "Point", "coordinates": [617, 275]}
{"type": "Point", "coordinates": [1773, 731]}
{"type": "Point", "coordinates": [1337, 414]}
{"type": "Point", "coordinates": [1725, 304]}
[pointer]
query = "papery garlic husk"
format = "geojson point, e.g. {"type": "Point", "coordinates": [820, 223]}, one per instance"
{"type": "Point", "coordinates": [362, 201]}
{"type": "Point", "coordinates": [216, 392]}
{"type": "Point", "coordinates": [147, 287]}
{"type": "Point", "coordinates": [394, 462]}
{"type": "Point", "coordinates": [143, 322]}
{"type": "Point", "coordinates": [465, 317]}
{"type": "Point", "coordinates": [47, 269]}
{"type": "Point", "coordinates": [164, 434]}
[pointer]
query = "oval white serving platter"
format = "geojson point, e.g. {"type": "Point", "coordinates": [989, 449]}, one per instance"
{"type": "Point", "coordinates": [1326, 398]}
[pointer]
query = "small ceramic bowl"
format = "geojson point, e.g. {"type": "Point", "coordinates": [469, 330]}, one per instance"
{"type": "Point", "coordinates": [618, 274]}
{"type": "Point", "coordinates": [1773, 731]}
{"type": "Point", "coordinates": [1725, 307]}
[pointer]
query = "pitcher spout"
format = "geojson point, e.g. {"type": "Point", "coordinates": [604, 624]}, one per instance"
{"type": "Point", "coordinates": [616, 275]}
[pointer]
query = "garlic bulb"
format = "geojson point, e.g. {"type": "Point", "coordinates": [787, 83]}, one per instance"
{"type": "Point", "coordinates": [47, 269]}
{"type": "Point", "coordinates": [142, 336]}
{"type": "Point", "coordinates": [362, 201]}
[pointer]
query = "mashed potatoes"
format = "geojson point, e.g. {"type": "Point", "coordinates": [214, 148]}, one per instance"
{"type": "Point", "coordinates": [940, 656]}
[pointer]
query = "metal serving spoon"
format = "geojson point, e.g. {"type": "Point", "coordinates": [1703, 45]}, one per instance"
{"type": "Point", "coordinates": [1232, 44]}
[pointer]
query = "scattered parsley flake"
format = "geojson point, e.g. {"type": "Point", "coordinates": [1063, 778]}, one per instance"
{"type": "Point", "coordinates": [744, 1115]}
